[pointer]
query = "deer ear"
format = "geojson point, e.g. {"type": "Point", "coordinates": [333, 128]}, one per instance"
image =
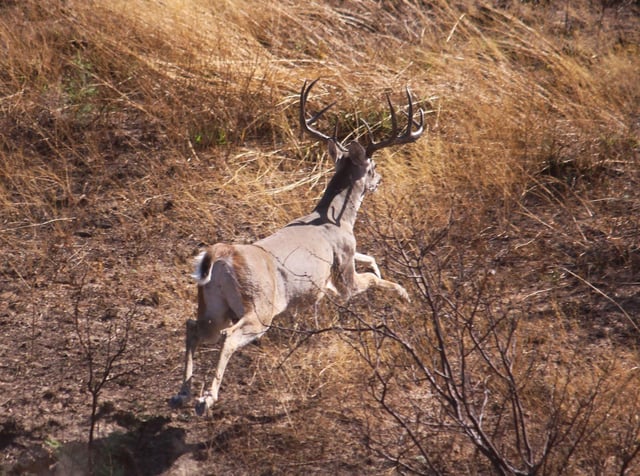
{"type": "Point", "coordinates": [334, 151]}
{"type": "Point", "coordinates": [357, 154]}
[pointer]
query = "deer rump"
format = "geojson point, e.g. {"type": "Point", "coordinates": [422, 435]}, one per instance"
{"type": "Point", "coordinates": [214, 269]}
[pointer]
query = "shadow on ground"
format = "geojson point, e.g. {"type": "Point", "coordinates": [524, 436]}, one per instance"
{"type": "Point", "coordinates": [145, 448]}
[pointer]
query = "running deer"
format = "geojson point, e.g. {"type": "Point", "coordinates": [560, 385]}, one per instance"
{"type": "Point", "coordinates": [241, 288]}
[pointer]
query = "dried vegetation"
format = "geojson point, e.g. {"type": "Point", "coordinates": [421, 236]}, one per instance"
{"type": "Point", "coordinates": [132, 132]}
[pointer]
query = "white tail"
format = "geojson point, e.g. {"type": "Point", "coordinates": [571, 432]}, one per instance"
{"type": "Point", "coordinates": [203, 266]}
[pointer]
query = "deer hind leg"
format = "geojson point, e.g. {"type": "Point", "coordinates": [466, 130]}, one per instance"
{"type": "Point", "coordinates": [198, 332]}
{"type": "Point", "coordinates": [218, 304]}
{"type": "Point", "coordinates": [247, 329]}
{"type": "Point", "coordinates": [191, 343]}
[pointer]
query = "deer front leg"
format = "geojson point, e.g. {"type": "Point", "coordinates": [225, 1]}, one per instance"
{"type": "Point", "coordinates": [364, 281]}
{"type": "Point", "coordinates": [368, 260]}
{"type": "Point", "coordinates": [191, 344]}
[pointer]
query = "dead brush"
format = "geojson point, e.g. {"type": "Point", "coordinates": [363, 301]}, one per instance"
{"type": "Point", "coordinates": [472, 371]}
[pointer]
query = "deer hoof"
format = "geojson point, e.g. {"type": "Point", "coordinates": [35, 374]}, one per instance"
{"type": "Point", "coordinates": [403, 293]}
{"type": "Point", "coordinates": [179, 400]}
{"type": "Point", "coordinates": [204, 403]}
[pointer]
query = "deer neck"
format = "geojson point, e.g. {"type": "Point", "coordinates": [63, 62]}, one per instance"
{"type": "Point", "coordinates": [342, 199]}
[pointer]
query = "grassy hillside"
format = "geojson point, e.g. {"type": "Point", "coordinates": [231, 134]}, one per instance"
{"type": "Point", "coordinates": [133, 132]}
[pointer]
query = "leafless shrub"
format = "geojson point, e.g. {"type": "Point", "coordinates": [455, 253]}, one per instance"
{"type": "Point", "coordinates": [104, 340]}
{"type": "Point", "coordinates": [470, 378]}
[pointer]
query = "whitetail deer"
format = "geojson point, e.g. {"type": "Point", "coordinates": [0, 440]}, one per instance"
{"type": "Point", "coordinates": [241, 288]}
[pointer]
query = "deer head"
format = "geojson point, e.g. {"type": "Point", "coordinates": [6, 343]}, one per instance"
{"type": "Point", "coordinates": [355, 169]}
{"type": "Point", "coordinates": [354, 155]}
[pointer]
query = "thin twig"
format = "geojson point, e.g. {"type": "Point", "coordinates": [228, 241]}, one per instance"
{"type": "Point", "coordinates": [603, 294]}
{"type": "Point", "coordinates": [33, 225]}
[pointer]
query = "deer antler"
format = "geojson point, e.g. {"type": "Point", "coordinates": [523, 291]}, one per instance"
{"type": "Point", "coordinates": [306, 123]}
{"type": "Point", "coordinates": [395, 138]}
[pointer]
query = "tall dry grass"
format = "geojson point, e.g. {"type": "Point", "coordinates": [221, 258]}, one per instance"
{"type": "Point", "coordinates": [132, 132]}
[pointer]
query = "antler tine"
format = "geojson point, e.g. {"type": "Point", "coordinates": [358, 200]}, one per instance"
{"type": "Point", "coordinates": [394, 119]}
{"type": "Point", "coordinates": [317, 115]}
{"type": "Point", "coordinates": [416, 134]}
{"type": "Point", "coordinates": [409, 111]}
{"type": "Point", "coordinates": [416, 123]}
{"type": "Point", "coordinates": [394, 139]}
{"type": "Point", "coordinates": [394, 129]}
{"type": "Point", "coordinates": [305, 123]}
